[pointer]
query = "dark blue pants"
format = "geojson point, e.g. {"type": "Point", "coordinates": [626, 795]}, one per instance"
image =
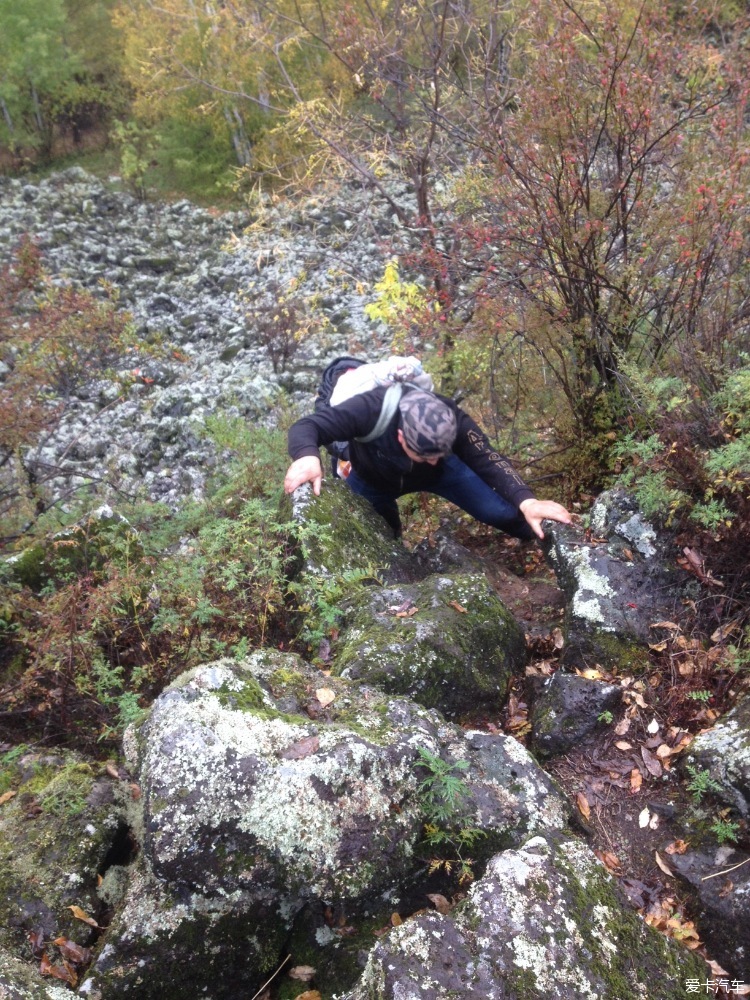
{"type": "Point", "coordinates": [459, 485]}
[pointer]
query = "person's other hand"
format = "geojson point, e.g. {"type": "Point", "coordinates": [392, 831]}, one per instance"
{"type": "Point", "coordinates": [305, 470]}
{"type": "Point", "coordinates": [535, 511]}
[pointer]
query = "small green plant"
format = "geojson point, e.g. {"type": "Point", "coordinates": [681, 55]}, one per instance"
{"type": "Point", "coordinates": [701, 783]}
{"type": "Point", "coordinates": [725, 830]}
{"type": "Point", "coordinates": [702, 696]}
{"type": "Point", "coordinates": [444, 798]}
{"type": "Point", "coordinates": [606, 717]}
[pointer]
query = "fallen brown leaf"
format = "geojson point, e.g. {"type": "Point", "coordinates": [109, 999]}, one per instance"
{"type": "Point", "coordinates": [584, 807]}
{"type": "Point", "coordinates": [677, 847]}
{"type": "Point", "coordinates": [623, 745]}
{"type": "Point", "coordinates": [407, 614]}
{"type": "Point", "coordinates": [727, 889]}
{"type": "Point", "coordinates": [65, 971]}
{"type": "Point", "coordinates": [652, 763]}
{"type": "Point", "coordinates": [724, 631]}
{"type": "Point", "coordinates": [304, 973]}
{"type": "Point", "coordinates": [73, 952]}
{"type": "Point", "coordinates": [716, 969]}
{"type": "Point", "coordinates": [636, 780]}
{"type": "Point", "coordinates": [396, 920]}
{"type": "Point", "coordinates": [440, 903]}
{"type": "Point", "coordinates": [458, 607]}
{"type": "Point", "coordinates": [325, 696]}
{"type": "Point", "coordinates": [610, 861]}
{"type": "Point", "coordinates": [80, 914]}
{"type": "Point", "coordinates": [663, 751]}
{"type": "Point", "coordinates": [112, 771]}
{"type": "Point", "coordinates": [663, 865]}
{"type": "Point", "coordinates": [6, 797]}
{"type": "Point", "coordinates": [309, 995]}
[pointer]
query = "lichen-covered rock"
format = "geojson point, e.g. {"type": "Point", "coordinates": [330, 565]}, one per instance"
{"type": "Point", "coordinates": [447, 641]}
{"type": "Point", "coordinates": [544, 921]}
{"type": "Point", "coordinates": [724, 751]}
{"type": "Point", "coordinates": [255, 779]}
{"type": "Point", "coordinates": [55, 834]}
{"type": "Point", "coordinates": [340, 532]}
{"type": "Point", "coordinates": [617, 584]}
{"type": "Point", "coordinates": [241, 794]}
{"type": "Point", "coordinates": [167, 943]}
{"type": "Point", "coordinates": [722, 909]}
{"type": "Point", "coordinates": [567, 709]}
{"type": "Point", "coordinates": [268, 786]}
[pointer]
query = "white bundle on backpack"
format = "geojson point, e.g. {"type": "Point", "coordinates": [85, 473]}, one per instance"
{"type": "Point", "coordinates": [366, 377]}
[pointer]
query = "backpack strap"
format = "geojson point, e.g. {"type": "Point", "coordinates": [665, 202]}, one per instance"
{"type": "Point", "coordinates": [390, 405]}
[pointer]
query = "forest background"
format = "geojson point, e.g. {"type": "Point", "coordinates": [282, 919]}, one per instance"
{"type": "Point", "coordinates": [578, 257]}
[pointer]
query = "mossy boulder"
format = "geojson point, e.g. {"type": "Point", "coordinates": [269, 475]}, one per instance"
{"type": "Point", "coordinates": [447, 641]}
{"type": "Point", "coordinates": [618, 580]}
{"type": "Point", "coordinates": [244, 792]}
{"type": "Point", "coordinates": [567, 709]}
{"type": "Point", "coordinates": [340, 532]}
{"type": "Point", "coordinates": [724, 751]}
{"type": "Point", "coordinates": [545, 920]}
{"type": "Point", "coordinates": [56, 832]}
{"type": "Point", "coordinates": [270, 789]}
{"type": "Point", "coordinates": [268, 777]}
{"type": "Point", "coordinates": [101, 536]}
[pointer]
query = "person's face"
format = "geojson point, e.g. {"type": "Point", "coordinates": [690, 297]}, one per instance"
{"type": "Point", "coordinates": [432, 460]}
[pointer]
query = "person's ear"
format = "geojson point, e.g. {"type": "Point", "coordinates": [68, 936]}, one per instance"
{"type": "Point", "coordinates": [400, 436]}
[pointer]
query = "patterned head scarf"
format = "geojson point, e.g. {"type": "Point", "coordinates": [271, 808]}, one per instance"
{"type": "Point", "coordinates": [428, 424]}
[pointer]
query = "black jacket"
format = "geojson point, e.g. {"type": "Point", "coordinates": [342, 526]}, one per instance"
{"type": "Point", "coordinates": [384, 463]}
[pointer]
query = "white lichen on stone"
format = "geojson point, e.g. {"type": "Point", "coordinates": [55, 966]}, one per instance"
{"type": "Point", "coordinates": [591, 586]}
{"type": "Point", "coordinates": [639, 533]}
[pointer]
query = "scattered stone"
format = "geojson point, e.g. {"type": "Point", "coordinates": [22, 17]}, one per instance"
{"type": "Point", "coordinates": [722, 907]}
{"type": "Point", "coordinates": [567, 709]}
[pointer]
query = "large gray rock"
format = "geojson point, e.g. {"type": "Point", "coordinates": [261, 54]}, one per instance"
{"type": "Point", "coordinates": [724, 751]}
{"type": "Point", "coordinates": [618, 581]}
{"type": "Point", "coordinates": [250, 784]}
{"type": "Point", "coordinates": [545, 920]}
{"type": "Point", "coordinates": [447, 641]}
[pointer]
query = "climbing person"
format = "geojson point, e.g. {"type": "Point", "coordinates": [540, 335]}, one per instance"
{"type": "Point", "coordinates": [419, 442]}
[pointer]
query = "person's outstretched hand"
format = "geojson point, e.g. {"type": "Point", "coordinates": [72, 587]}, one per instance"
{"type": "Point", "coordinates": [305, 470]}
{"type": "Point", "coordinates": [535, 511]}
